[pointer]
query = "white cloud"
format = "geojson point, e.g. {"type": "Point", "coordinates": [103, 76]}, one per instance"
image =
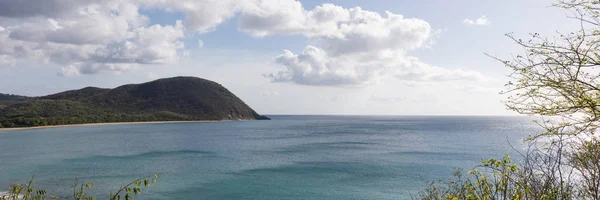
{"type": "Point", "coordinates": [103, 35]}
{"type": "Point", "coordinates": [68, 71]}
{"type": "Point", "coordinates": [152, 45]}
{"type": "Point", "coordinates": [483, 20]}
{"type": "Point", "coordinates": [315, 67]}
{"type": "Point", "coordinates": [55, 25]}
{"type": "Point", "coordinates": [90, 37]}
{"type": "Point", "coordinates": [349, 46]}
{"type": "Point", "coordinates": [414, 70]}
{"type": "Point", "coordinates": [200, 15]}
{"type": "Point", "coordinates": [90, 25]}
{"type": "Point", "coordinates": [267, 17]}
{"type": "Point", "coordinates": [339, 29]}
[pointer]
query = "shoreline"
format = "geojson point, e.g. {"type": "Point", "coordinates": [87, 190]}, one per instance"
{"type": "Point", "coordinates": [111, 123]}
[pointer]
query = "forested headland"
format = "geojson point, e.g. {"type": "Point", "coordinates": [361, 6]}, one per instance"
{"type": "Point", "coordinates": [170, 99]}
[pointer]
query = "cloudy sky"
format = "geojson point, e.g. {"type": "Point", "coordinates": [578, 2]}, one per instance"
{"type": "Point", "coordinates": [380, 57]}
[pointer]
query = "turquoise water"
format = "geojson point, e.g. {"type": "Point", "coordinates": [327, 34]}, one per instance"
{"type": "Point", "coordinates": [289, 157]}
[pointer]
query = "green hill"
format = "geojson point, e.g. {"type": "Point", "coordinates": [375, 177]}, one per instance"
{"type": "Point", "coordinates": [7, 99]}
{"type": "Point", "coordinates": [170, 99]}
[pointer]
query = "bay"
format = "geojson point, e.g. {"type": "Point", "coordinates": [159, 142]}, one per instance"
{"type": "Point", "coordinates": [289, 157]}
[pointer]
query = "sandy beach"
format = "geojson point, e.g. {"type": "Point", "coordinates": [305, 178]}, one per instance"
{"type": "Point", "coordinates": [102, 124]}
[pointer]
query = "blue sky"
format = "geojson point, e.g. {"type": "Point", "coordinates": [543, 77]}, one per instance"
{"type": "Point", "coordinates": [434, 64]}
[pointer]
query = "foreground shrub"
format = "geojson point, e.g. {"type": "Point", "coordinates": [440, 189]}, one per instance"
{"type": "Point", "coordinates": [495, 183]}
{"type": "Point", "coordinates": [557, 80]}
{"type": "Point", "coordinates": [503, 179]}
{"type": "Point", "coordinates": [127, 192]}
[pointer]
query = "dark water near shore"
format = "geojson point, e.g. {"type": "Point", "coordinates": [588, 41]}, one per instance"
{"type": "Point", "coordinates": [289, 157]}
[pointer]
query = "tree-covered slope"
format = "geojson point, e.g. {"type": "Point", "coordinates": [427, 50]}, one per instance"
{"type": "Point", "coordinates": [7, 99]}
{"type": "Point", "coordinates": [179, 98]}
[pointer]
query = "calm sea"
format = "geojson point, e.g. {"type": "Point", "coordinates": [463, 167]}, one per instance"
{"type": "Point", "coordinates": [289, 157]}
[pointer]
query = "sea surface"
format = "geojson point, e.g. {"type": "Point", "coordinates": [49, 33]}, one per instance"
{"type": "Point", "coordinates": [289, 157]}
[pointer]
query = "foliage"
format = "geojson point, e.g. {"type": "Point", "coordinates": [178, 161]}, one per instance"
{"type": "Point", "coordinates": [497, 184]}
{"type": "Point", "coordinates": [540, 175]}
{"type": "Point", "coordinates": [586, 160]}
{"type": "Point", "coordinates": [172, 99]}
{"type": "Point", "coordinates": [7, 99]}
{"type": "Point", "coordinates": [557, 79]}
{"type": "Point", "coordinates": [127, 192]}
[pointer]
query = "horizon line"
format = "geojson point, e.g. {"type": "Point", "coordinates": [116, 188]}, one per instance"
{"type": "Point", "coordinates": [406, 115]}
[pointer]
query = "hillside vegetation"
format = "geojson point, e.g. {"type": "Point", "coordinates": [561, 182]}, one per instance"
{"type": "Point", "coordinates": [170, 99]}
{"type": "Point", "coordinates": [7, 99]}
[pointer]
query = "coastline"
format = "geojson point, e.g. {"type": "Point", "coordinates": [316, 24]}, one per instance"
{"type": "Point", "coordinates": [110, 123]}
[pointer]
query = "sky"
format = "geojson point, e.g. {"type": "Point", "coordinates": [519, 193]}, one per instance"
{"type": "Point", "coordinates": [338, 57]}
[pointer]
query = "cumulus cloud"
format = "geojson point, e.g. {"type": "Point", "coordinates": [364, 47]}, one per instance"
{"type": "Point", "coordinates": [92, 36]}
{"type": "Point", "coordinates": [94, 25]}
{"type": "Point", "coordinates": [349, 46]}
{"type": "Point", "coordinates": [315, 67]}
{"type": "Point", "coordinates": [87, 37]}
{"type": "Point", "coordinates": [483, 20]}
{"type": "Point", "coordinates": [200, 15]}
{"type": "Point", "coordinates": [152, 45]}
{"type": "Point", "coordinates": [340, 30]}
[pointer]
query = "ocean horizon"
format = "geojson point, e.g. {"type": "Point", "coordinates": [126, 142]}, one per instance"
{"type": "Point", "coordinates": [288, 157]}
